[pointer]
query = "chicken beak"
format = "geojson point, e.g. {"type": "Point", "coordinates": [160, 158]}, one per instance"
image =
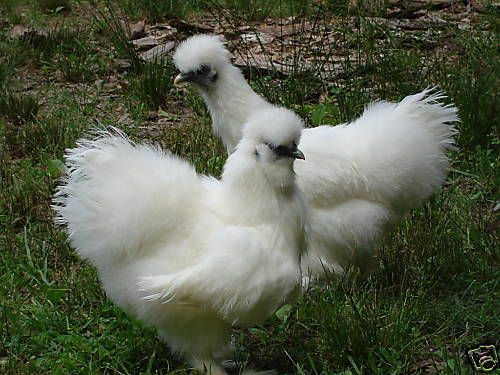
{"type": "Point", "coordinates": [180, 78]}
{"type": "Point", "coordinates": [297, 154]}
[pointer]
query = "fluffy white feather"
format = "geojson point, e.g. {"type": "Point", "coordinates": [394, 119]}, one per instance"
{"type": "Point", "coordinates": [358, 178]}
{"type": "Point", "coordinates": [189, 254]}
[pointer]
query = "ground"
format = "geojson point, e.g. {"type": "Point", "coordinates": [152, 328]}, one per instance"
{"type": "Point", "coordinates": [68, 66]}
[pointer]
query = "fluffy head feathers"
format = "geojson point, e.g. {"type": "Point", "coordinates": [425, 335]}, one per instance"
{"type": "Point", "coordinates": [268, 148]}
{"type": "Point", "coordinates": [275, 125]}
{"type": "Point", "coordinates": [200, 50]}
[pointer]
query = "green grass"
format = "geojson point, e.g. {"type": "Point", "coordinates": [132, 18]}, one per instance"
{"type": "Point", "coordinates": [114, 22]}
{"type": "Point", "coordinates": [18, 109]}
{"type": "Point", "coordinates": [152, 85]}
{"type": "Point", "coordinates": [156, 11]}
{"type": "Point", "coordinates": [435, 294]}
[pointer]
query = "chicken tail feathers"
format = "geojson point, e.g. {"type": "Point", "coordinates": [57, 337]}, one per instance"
{"type": "Point", "coordinates": [402, 147]}
{"type": "Point", "coordinates": [117, 196]}
{"type": "Point", "coordinates": [433, 115]}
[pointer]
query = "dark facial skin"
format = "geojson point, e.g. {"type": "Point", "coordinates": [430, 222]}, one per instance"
{"type": "Point", "coordinates": [286, 152]}
{"type": "Point", "coordinates": [281, 151]}
{"type": "Point", "coordinates": [203, 76]}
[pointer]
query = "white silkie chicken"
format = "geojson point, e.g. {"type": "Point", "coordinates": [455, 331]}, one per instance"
{"type": "Point", "coordinates": [360, 178]}
{"type": "Point", "coordinates": [191, 255]}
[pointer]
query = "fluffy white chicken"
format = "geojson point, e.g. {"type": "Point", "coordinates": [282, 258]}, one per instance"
{"type": "Point", "coordinates": [191, 255]}
{"type": "Point", "coordinates": [358, 178]}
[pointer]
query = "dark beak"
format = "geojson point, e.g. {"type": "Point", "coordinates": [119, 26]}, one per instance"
{"type": "Point", "coordinates": [297, 154]}
{"type": "Point", "coordinates": [287, 152]}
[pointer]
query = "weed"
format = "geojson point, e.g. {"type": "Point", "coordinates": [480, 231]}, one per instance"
{"type": "Point", "coordinates": [6, 71]}
{"type": "Point", "coordinates": [153, 84]}
{"type": "Point", "coordinates": [58, 38]}
{"type": "Point", "coordinates": [156, 11]}
{"type": "Point", "coordinates": [12, 56]}
{"type": "Point", "coordinates": [115, 22]}
{"type": "Point", "coordinates": [77, 68]}
{"type": "Point", "coordinates": [49, 136]}
{"type": "Point", "coordinates": [251, 9]}
{"type": "Point", "coordinates": [8, 6]}
{"type": "Point", "coordinates": [78, 63]}
{"type": "Point", "coordinates": [65, 49]}
{"type": "Point", "coordinates": [241, 11]}
{"type": "Point", "coordinates": [474, 92]}
{"type": "Point", "coordinates": [18, 108]}
{"type": "Point", "coordinates": [24, 192]}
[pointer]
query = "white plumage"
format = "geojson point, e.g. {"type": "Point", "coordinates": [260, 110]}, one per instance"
{"type": "Point", "coordinates": [358, 178]}
{"type": "Point", "coordinates": [189, 254]}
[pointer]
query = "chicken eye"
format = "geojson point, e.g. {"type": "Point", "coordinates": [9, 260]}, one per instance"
{"type": "Point", "coordinates": [203, 70]}
{"type": "Point", "coordinates": [279, 150]}
{"type": "Point", "coordinates": [282, 150]}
